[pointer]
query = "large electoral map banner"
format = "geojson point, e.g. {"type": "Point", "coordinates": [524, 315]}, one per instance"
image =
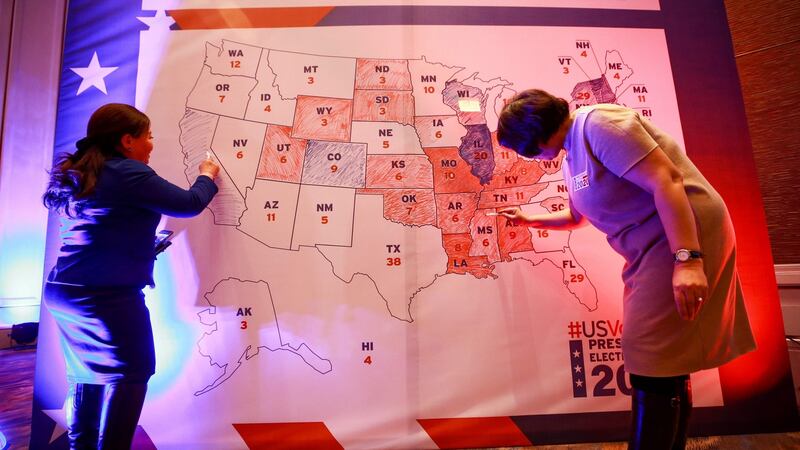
{"type": "Point", "coordinates": [349, 286]}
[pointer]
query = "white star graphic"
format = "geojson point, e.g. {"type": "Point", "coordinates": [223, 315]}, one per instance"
{"type": "Point", "coordinates": [578, 369]}
{"type": "Point", "coordinates": [93, 75]}
{"type": "Point", "coordinates": [579, 383]}
{"type": "Point", "coordinates": [59, 416]}
{"type": "Point", "coordinates": [576, 354]}
{"type": "Point", "coordinates": [159, 22]}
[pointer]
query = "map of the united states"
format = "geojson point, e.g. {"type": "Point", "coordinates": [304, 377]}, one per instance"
{"type": "Point", "coordinates": [310, 144]}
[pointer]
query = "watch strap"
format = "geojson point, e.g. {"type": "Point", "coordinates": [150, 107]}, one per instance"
{"type": "Point", "coordinates": [692, 254]}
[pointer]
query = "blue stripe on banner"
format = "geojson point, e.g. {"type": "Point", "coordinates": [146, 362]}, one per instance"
{"type": "Point", "coordinates": [578, 368]}
{"type": "Point", "coordinates": [109, 30]}
{"type": "Point", "coordinates": [489, 15]}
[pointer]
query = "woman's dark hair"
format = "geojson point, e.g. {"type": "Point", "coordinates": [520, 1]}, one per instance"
{"type": "Point", "coordinates": [74, 175]}
{"type": "Point", "coordinates": [530, 117]}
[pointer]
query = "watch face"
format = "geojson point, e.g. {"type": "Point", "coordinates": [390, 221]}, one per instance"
{"type": "Point", "coordinates": [682, 255]}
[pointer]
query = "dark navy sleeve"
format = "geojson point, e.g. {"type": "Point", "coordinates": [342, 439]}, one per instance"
{"type": "Point", "coordinates": [145, 189]}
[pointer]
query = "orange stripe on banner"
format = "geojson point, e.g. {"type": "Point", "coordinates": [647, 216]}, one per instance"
{"type": "Point", "coordinates": [287, 436]}
{"type": "Point", "coordinates": [474, 432]}
{"type": "Point", "coordinates": [211, 19]}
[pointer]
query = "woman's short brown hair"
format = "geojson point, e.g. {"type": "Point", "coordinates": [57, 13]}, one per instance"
{"type": "Point", "coordinates": [529, 118]}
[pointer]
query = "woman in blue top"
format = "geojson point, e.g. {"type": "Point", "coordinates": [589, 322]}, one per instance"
{"type": "Point", "coordinates": [110, 202]}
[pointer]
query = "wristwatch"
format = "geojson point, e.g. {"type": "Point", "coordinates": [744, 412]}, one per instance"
{"type": "Point", "coordinates": [684, 254]}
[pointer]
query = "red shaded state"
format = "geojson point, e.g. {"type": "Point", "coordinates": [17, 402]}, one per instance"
{"type": "Point", "coordinates": [521, 173]}
{"type": "Point", "coordinates": [383, 74]}
{"type": "Point", "coordinates": [512, 238]}
{"type": "Point", "coordinates": [399, 171]}
{"type": "Point", "coordinates": [410, 206]}
{"type": "Point", "coordinates": [287, 436]}
{"type": "Point", "coordinates": [367, 191]}
{"type": "Point", "coordinates": [484, 236]}
{"type": "Point", "coordinates": [516, 196]}
{"type": "Point", "coordinates": [475, 432]}
{"type": "Point", "coordinates": [406, 206]}
{"type": "Point", "coordinates": [504, 158]}
{"type": "Point", "coordinates": [322, 118]}
{"type": "Point", "coordinates": [551, 166]}
{"type": "Point", "coordinates": [384, 106]}
{"type": "Point", "coordinates": [450, 172]}
{"type": "Point", "coordinates": [555, 204]}
{"type": "Point", "coordinates": [282, 156]}
{"type": "Point", "coordinates": [458, 260]}
{"type": "Point", "coordinates": [455, 211]}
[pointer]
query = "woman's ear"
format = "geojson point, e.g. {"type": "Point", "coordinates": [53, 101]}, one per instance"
{"type": "Point", "coordinates": [126, 141]}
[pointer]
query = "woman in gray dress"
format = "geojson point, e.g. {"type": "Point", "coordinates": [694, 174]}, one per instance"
{"type": "Point", "coordinates": [683, 309]}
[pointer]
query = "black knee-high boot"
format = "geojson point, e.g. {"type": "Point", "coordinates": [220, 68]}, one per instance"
{"type": "Point", "coordinates": [122, 406]}
{"type": "Point", "coordinates": [656, 412]}
{"type": "Point", "coordinates": [684, 391]}
{"type": "Point", "coordinates": [84, 403]}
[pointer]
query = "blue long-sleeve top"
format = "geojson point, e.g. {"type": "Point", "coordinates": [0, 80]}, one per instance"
{"type": "Point", "coordinates": [113, 244]}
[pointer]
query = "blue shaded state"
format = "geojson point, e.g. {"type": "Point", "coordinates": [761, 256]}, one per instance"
{"type": "Point", "coordinates": [340, 164]}
{"type": "Point", "coordinates": [476, 150]}
{"type": "Point", "coordinates": [455, 91]}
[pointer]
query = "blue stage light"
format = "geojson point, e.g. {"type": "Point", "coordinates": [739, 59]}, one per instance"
{"type": "Point", "coordinates": [21, 263]}
{"type": "Point", "coordinates": [175, 339]}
